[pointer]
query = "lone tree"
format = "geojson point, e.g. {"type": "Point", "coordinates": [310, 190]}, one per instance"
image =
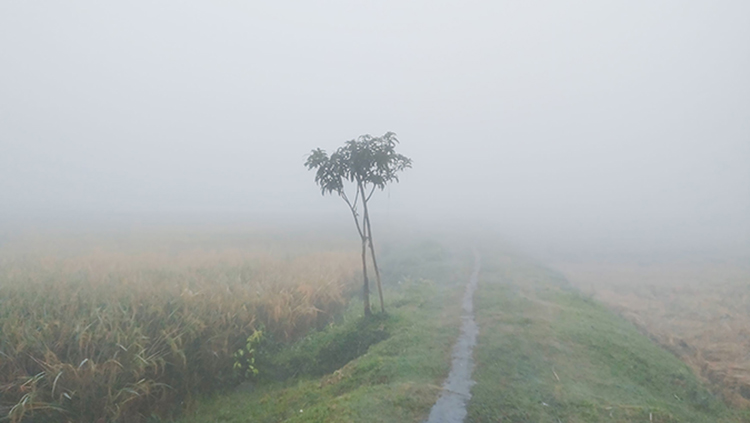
{"type": "Point", "coordinates": [366, 163]}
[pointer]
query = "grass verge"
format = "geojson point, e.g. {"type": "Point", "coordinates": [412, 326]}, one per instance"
{"type": "Point", "coordinates": [546, 353]}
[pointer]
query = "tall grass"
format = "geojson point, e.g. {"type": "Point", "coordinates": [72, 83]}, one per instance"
{"type": "Point", "coordinates": [108, 336]}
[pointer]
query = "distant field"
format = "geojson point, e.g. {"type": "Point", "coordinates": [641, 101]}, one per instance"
{"type": "Point", "coordinates": [126, 326]}
{"type": "Point", "coordinates": [699, 310]}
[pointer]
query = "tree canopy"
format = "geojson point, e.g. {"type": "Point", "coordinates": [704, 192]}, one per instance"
{"type": "Point", "coordinates": [366, 160]}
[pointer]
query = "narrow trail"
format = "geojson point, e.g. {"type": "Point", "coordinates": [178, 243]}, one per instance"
{"type": "Point", "coordinates": [451, 405]}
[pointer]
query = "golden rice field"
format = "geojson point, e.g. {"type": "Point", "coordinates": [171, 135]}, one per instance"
{"type": "Point", "coordinates": [127, 328]}
{"type": "Point", "coordinates": [698, 310]}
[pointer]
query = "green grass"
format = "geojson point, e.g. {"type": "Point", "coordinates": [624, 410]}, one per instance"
{"type": "Point", "coordinates": [546, 354]}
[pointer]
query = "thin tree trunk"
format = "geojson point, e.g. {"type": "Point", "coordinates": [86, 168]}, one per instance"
{"type": "Point", "coordinates": [368, 229]}
{"type": "Point", "coordinates": [364, 273]}
{"type": "Point", "coordinates": [362, 230]}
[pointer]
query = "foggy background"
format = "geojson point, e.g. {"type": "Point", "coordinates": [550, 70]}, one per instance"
{"type": "Point", "coordinates": [565, 125]}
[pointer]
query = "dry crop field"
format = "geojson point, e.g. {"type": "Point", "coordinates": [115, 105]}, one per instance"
{"type": "Point", "coordinates": [698, 309]}
{"type": "Point", "coordinates": [131, 325]}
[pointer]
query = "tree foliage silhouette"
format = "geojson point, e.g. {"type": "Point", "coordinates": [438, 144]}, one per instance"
{"type": "Point", "coordinates": [366, 163]}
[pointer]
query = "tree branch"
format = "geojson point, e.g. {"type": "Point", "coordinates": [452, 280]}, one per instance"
{"type": "Point", "coordinates": [354, 213]}
{"type": "Point", "coordinates": [372, 191]}
{"type": "Point", "coordinates": [356, 197]}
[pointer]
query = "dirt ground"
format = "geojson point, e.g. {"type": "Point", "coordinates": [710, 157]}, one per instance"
{"type": "Point", "coordinates": [699, 310]}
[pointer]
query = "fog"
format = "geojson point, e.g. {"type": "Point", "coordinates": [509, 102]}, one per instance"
{"type": "Point", "coordinates": [578, 124]}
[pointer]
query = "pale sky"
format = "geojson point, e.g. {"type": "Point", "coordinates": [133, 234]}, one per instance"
{"type": "Point", "coordinates": [533, 114]}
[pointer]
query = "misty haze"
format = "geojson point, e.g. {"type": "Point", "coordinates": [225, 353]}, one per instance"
{"type": "Point", "coordinates": [374, 211]}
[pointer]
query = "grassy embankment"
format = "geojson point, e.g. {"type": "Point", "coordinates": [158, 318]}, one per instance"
{"type": "Point", "coordinates": [694, 306]}
{"type": "Point", "coordinates": [547, 353]}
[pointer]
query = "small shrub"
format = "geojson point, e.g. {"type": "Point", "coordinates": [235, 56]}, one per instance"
{"type": "Point", "coordinates": [244, 358]}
